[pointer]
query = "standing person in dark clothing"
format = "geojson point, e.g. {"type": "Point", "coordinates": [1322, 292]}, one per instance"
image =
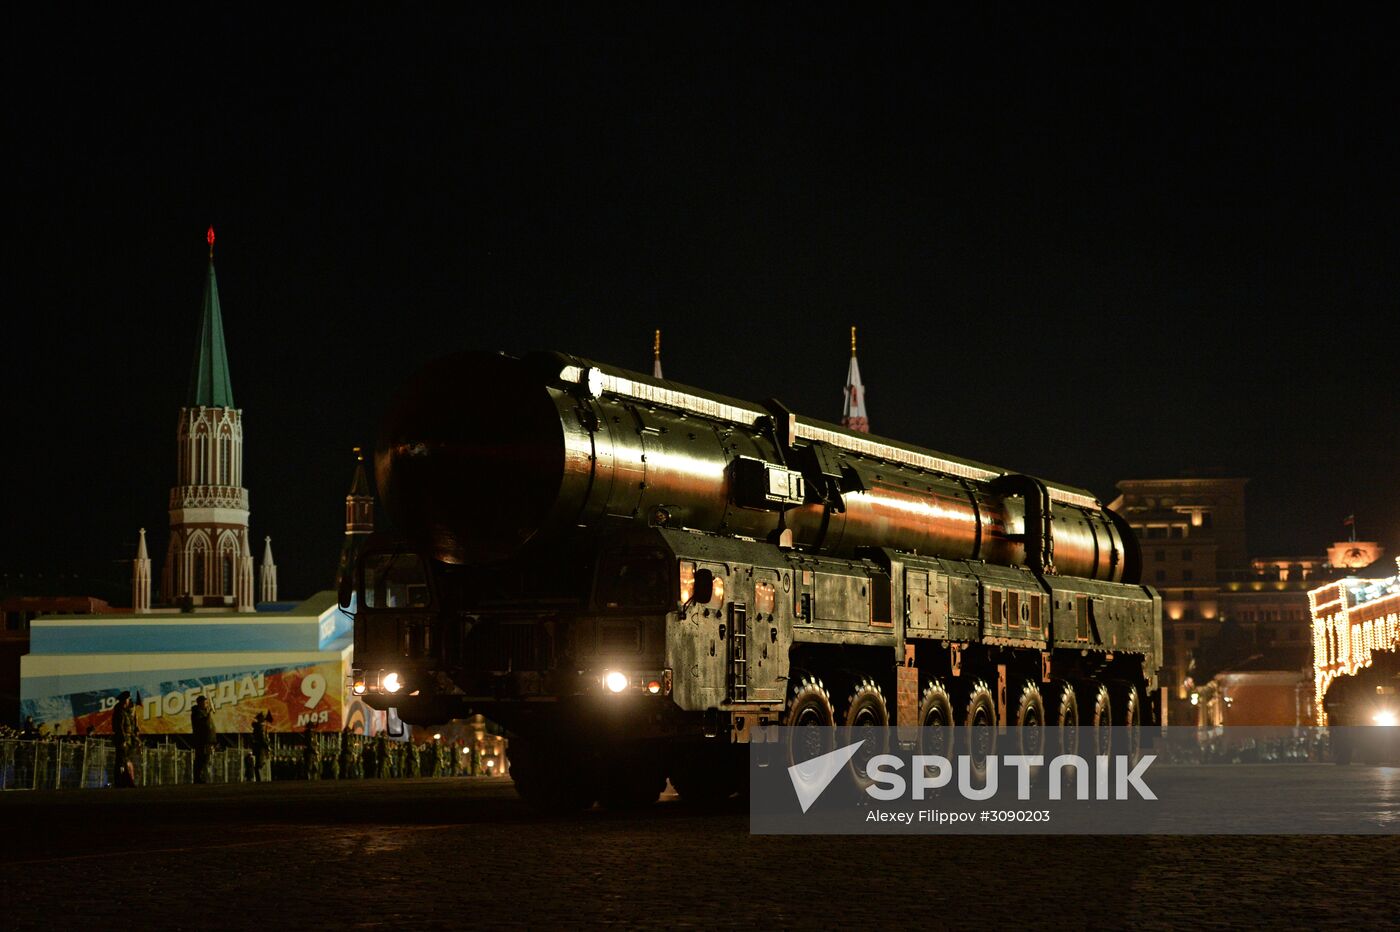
{"type": "Point", "coordinates": [260, 723]}
{"type": "Point", "coordinates": [205, 736]}
{"type": "Point", "coordinates": [369, 765]}
{"type": "Point", "coordinates": [381, 756]}
{"type": "Point", "coordinates": [310, 756]}
{"type": "Point", "coordinates": [345, 769]}
{"type": "Point", "coordinates": [124, 740]}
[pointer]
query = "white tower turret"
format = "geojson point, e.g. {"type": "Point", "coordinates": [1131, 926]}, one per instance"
{"type": "Point", "coordinates": [853, 411]}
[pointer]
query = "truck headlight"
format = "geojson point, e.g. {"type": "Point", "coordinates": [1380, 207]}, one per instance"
{"type": "Point", "coordinates": [616, 681]}
{"type": "Point", "coordinates": [392, 683]}
{"type": "Point", "coordinates": [1384, 717]}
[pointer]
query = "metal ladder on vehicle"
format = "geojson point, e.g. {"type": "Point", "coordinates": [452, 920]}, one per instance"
{"type": "Point", "coordinates": [738, 652]}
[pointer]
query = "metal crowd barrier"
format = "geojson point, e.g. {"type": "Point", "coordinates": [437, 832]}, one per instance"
{"type": "Point", "coordinates": [89, 763]}
{"type": "Point", "coordinates": [72, 762]}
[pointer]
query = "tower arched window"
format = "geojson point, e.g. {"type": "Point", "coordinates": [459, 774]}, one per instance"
{"type": "Point", "coordinates": [197, 579]}
{"type": "Point", "coordinates": [201, 456]}
{"type": "Point", "coordinates": [226, 564]}
{"type": "Point", "coordinates": [225, 458]}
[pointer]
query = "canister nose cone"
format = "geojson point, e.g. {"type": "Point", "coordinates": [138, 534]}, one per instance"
{"type": "Point", "coordinates": [470, 457]}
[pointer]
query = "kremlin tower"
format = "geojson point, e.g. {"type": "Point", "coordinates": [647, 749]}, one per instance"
{"type": "Point", "coordinates": [853, 411]}
{"type": "Point", "coordinates": [359, 518]}
{"type": "Point", "coordinates": [209, 562]}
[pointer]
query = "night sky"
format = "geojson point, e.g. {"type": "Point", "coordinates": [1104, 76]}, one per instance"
{"type": "Point", "coordinates": [1067, 255]}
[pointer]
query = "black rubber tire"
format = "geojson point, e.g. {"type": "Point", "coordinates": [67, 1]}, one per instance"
{"type": "Point", "coordinates": [809, 717]}
{"type": "Point", "coordinates": [979, 729]}
{"type": "Point", "coordinates": [865, 717]}
{"type": "Point", "coordinates": [1127, 709]}
{"type": "Point", "coordinates": [1064, 720]}
{"type": "Point", "coordinates": [1029, 736]}
{"type": "Point", "coordinates": [1096, 714]}
{"type": "Point", "coordinates": [937, 729]}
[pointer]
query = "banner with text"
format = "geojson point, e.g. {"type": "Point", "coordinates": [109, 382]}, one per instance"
{"type": "Point", "coordinates": [294, 696]}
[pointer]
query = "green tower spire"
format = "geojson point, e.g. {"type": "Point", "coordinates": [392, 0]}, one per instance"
{"type": "Point", "coordinates": [209, 382]}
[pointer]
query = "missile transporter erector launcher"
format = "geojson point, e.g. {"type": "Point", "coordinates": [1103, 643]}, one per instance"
{"type": "Point", "coordinates": [629, 575]}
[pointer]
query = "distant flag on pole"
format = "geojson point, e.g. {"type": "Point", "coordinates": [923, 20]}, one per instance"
{"type": "Point", "coordinates": [1350, 521]}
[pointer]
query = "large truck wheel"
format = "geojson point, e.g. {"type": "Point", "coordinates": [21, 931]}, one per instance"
{"type": "Point", "coordinates": [1097, 716]}
{"type": "Point", "coordinates": [936, 727]}
{"type": "Point", "coordinates": [1127, 706]}
{"type": "Point", "coordinates": [1028, 738]}
{"type": "Point", "coordinates": [809, 719]}
{"type": "Point", "coordinates": [555, 779]}
{"type": "Point", "coordinates": [1064, 720]}
{"type": "Point", "coordinates": [867, 719]}
{"type": "Point", "coordinates": [980, 728]}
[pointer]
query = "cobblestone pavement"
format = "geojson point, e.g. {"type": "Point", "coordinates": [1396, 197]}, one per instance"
{"type": "Point", "coordinates": [428, 854]}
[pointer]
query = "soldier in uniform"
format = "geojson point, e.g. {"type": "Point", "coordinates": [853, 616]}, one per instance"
{"type": "Point", "coordinates": [260, 722]}
{"type": "Point", "coordinates": [202, 726]}
{"type": "Point", "coordinates": [310, 756]}
{"type": "Point", "coordinates": [124, 740]}
{"type": "Point", "coordinates": [345, 744]}
{"type": "Point", "coordinates": [435, 758]}
{"type": "Point", "coordinates": [381, 756]}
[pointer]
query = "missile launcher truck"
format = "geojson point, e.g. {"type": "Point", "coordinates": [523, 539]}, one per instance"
{"type": "Point", "coordinates": [632, 577]}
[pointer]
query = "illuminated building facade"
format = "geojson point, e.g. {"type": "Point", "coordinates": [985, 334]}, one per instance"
{"type": "Point", "coordinates": [1352, 621]}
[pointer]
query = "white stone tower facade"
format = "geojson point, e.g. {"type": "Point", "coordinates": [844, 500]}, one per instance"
{"type": "Point", "coordinates": [141, 578]}
{"type": "Point", "coordinates": [269, 572]}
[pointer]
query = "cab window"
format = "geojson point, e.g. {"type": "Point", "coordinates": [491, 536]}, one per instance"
{"type": "Point", "coordinates": [632, 580]}
{"type": "Point", "coordinates": [397, 580]}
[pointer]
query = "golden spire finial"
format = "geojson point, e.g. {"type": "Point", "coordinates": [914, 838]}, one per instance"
{"type": "Point", "coordinates": [359, 456]}
{"type": "Point", "coordinates": [853, 341]}
{"type": "Point", "coordinates": [656, 346]}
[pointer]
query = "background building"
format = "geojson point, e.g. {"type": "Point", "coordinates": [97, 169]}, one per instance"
{"type": "Point", "coordinates": [1236, 632]}
{"type": "Point", "coordinates": [1353, 621]}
